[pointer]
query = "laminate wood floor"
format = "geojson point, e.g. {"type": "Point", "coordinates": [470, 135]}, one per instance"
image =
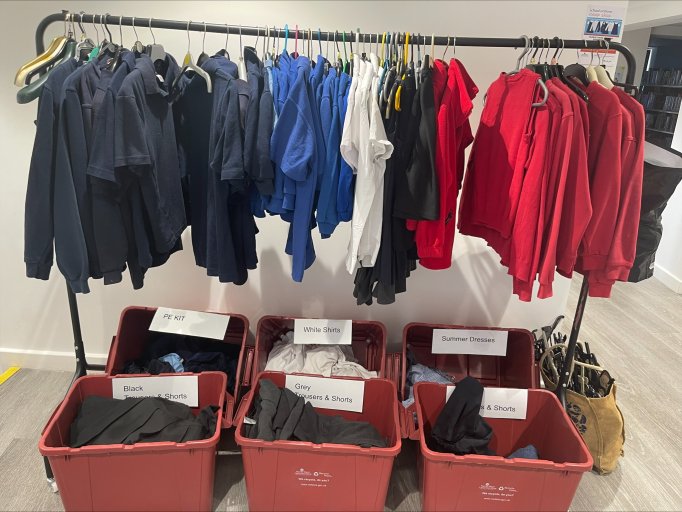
{"type": "Point", "coordinates": [637, 336]}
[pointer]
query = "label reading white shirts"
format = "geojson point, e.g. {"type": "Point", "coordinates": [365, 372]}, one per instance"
{"type": "Point", "coordinates": [342, 395]}
{"type": "Point", "coordinates": [318, 331]}
{"type": "Point", "coordinates": [191, 323]}
{"type": "Point", "coordinates": [469, 341]}
{"type": "Point", "coordinates": [508, 403]}
{"type": "Point", "coordinates": [183, 388]}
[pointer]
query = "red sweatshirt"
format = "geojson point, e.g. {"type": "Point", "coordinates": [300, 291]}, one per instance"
{"type": "Point", "coordinates": [528, 235]}
{"type": "Point", "coordinates": [556, 190]}
{"type": "Point", "coordinates": [605, 167]}
{"type": "Point", "coordinates": [575, 216]}
{"type": "Point", "coordinates": [495, 171]}
{"type": "Point", "coordinates": [624, 245]}
{"type": "Point", "coordinates": [435, 239]}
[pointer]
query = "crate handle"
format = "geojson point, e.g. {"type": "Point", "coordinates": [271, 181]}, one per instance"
{"type": "Point", "coordinates": [248, 366]}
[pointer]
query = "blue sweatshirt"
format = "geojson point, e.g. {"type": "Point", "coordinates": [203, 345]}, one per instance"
{"type": "Point", "coordinates": [344, 196]}
{"type": "Point", "coordinates": [281, 78]}
{"type": "Point", "coordinates": [293, 150]}
{"type": "Point", "coordinates": [327, 217]}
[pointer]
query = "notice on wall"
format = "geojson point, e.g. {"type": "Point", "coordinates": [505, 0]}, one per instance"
{"type": "Point", "coordinates": [508, 403]}
{"type": "Point", "coordinates": [602, 22]}
{"type": "Point", "coordinates": [342, 395]}
{"type": "Point", "coordinates": [191, 323]}
{"type": "Point", "coordinates": [182, 388]}
{"type": "Point", "coordinates": [320, 331]}
{"type": "Point", "coordinates": [469, 341]}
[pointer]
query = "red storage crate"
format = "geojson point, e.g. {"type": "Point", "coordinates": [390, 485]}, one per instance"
{"type": "Point", "coordinates": [369, 342]}
{"type": "Point", "coordinates": [144, 476]}
{"type": "Point", "coordinates": [477, 482]}
{"type": "Point", "coordinates": [359, 477]}
{"type": "Point", "coordinates": [134, 334]}
{"type": "Point", "coordinates": [515, 370]}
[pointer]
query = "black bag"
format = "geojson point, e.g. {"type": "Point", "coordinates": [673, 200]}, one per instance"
{"type": "Point", "coordinates": [657, 187]}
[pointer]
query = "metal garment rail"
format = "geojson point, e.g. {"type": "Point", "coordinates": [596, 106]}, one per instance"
{"type": "Point", "coordinates": [82, 366]}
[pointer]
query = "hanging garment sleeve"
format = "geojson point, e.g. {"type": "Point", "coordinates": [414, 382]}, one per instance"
{"type": "Point", "coordinates": [38, 221]}
{"type": "Point", "coordinates": [69, 240]}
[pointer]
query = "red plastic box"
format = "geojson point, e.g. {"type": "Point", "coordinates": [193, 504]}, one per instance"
{"type": "Point", "coordinates": [476, 482]}
{"type": "Point", "coordinates": [145, 476]}
{"type": "Point", "coordinates": [133, 335]}
{"type": "Point", "coordinates": [369, 342]}
{"type": "Point", "coordinates": [515, 370]}
{"type": "Point", "coordinates": [354, 478]}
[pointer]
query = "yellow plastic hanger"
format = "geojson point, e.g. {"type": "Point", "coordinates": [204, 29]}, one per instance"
{"type": "Point", "coordinates": [383, 43]}
{"type": "Point", "coordinates": [398, 92]}
{"type": "Point", "coordinates": [53, 51]}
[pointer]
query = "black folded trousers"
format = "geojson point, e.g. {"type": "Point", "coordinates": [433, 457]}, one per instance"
{"type": "Point", "coordinates": [280, 414]}
{"type": "Point", "coordinates": [103, 420]}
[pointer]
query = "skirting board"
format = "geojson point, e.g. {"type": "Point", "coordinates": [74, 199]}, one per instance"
{"type": "Point", "coordinates": [668, 279]}
{"type": "Point", "coordinates": [44, 359]}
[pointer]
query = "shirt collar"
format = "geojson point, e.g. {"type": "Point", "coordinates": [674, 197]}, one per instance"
{"type": "Point", "coordinates": [149, 78]}
{"type": "Point", "coordinates": [151, 82]}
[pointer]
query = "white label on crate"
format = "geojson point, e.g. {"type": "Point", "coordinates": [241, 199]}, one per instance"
{"type": "Point", "coordinates": [508, 403]}
{"type": "Point", "coordinates": [342, 395]}
{"type": "Point", "coordinates": [310, 478]}
{"type": "Point", "coordinates": [319, 331]}
{"type": "Point", "coordinates": [493, 492]}
{"type": "Point", "coordinates": [183, 388]}
{"type": "Point", "coordinates": [469, 341]}
{"type": "Point", "coordinates": [191, 323]}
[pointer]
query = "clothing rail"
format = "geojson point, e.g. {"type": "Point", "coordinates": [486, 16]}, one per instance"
{"type": "Point", "coordinates": [82, 366]}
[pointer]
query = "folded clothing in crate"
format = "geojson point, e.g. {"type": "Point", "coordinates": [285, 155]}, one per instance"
{"type": "Point", "coordinates": [103, 420]}
{"type": "Point", "coordinates": [325, 360]}
{"type": "Point", "coordinates": [460, 429]}
{"type": "Point", "coordinates": [280, 414]}
{"type": "Point", "coordinates": [196, 355]}
{"type": "Point", "coordinates": [421, 373]}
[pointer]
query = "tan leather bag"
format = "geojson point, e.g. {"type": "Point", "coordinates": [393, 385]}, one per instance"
{"type": "Point", "coordinates": [601, 424]}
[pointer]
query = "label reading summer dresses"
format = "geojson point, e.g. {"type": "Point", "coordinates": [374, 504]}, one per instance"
{"type": "Point", "coordinates": [342, 395]}
{"type": "Point", "coordinates": [183, 388]}
{"type": "Point", "coordinates": [469, 341]}
{"type": "Point", "coordinates": [318, 331]}
{"type": "Point", "coordinates": [191, 323]}
{"type": "Point", "coordinates": [508, 403]}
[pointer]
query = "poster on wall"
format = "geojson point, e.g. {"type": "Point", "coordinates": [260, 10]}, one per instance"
{"type": "Point", "coordinates": [602, 22]}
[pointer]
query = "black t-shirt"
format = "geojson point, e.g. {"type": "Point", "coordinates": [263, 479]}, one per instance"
{"type": "Point", "coordinates": [416, 185]}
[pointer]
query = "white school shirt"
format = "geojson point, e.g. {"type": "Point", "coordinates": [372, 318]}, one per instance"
{"type": "Point", "coordinates": [374, 149]}
{"type": "Point", "coordinates": [348, 147]}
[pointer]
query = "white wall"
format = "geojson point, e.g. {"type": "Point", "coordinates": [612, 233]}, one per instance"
{"type": "Point", "coordinates": [642, 14]}
{"type": "Point", "coordinates": [668, 267]}
{"type": "Point", "coordinates": [34, 318]}
{"type": "Point", "coordinates": [637, 41]}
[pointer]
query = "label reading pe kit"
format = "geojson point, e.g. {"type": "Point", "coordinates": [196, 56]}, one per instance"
{"type": "Point", "coordinates": [469, 341]}
{"type": "Point", "coordinates": [342, 395]}
{"type": "Point", "coordinates": [318, 331]}
{"type": "Point", "coordinates": [183, 388]}
{"type": "Point", "coordinates": [191, 323]}
{"type": "Point", "coordinates": [508, 403]}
